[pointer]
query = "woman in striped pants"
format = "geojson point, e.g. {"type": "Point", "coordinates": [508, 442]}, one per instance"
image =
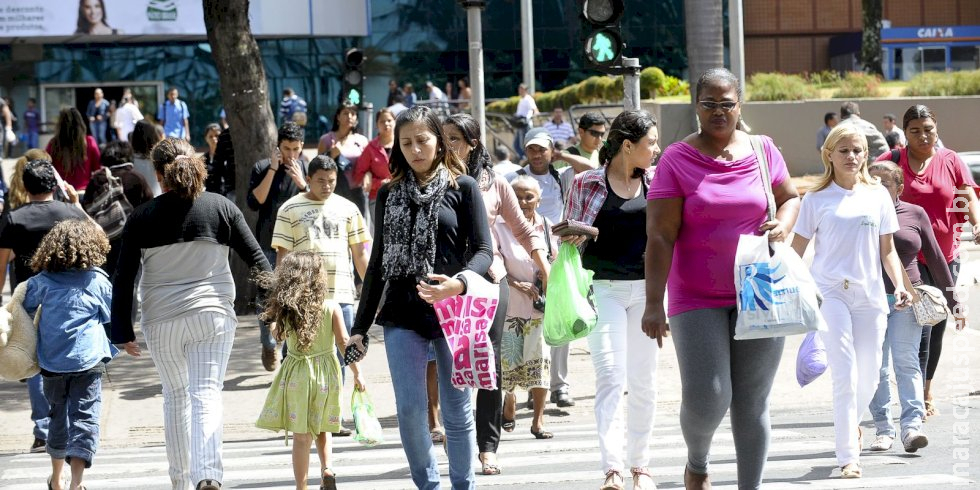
{"type": "Point", "coordinates": [181, 238]}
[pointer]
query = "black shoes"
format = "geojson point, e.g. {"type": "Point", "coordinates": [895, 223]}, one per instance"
{"type": "Point", "coordinates": [562, 399]}
{"type": "Point", "coordinates": [39, 446]}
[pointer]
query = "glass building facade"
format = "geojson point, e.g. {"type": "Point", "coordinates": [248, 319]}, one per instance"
{"type": "Point", "coordinates": [409, 41]}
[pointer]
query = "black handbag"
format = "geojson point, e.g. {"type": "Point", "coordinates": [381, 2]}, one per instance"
{"type": "Point", "coordinates": [110, 208]}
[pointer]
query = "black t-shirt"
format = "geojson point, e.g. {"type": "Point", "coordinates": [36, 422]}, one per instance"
{"type": "Point", "coordinates": [618, 253]}
{"type": "Point", "coordinates": [22, 229]}
{"type": "Point", "coordinates": [283, 187]}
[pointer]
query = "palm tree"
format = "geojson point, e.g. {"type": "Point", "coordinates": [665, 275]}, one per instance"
{"type": "Point", "coordinates": [705, 41]}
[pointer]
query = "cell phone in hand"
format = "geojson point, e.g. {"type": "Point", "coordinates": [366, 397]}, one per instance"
{"type": "Point", "coordinates": [352, 354]}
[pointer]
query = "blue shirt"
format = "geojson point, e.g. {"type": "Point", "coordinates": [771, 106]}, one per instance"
{"type": "Point", "coordinates": [32, 120]}
{"type": "Point", "coordinates": [290, 106]}
{"type": "Point", "coordinates": [173, 116]}
{"type": "Point", "coordinates": [74, 306]}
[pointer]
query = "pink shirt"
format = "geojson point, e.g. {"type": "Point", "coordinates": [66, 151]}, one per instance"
{"type": "Point", "coordinates": [722, 200]}
{"type": "Point", "coordinates": [935, 191]}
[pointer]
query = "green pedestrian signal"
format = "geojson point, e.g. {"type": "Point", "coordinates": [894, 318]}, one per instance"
{"type": "Point", "coordinates": [354, 96]}
{"type": "Point", "coordinates": [601, 32]}
{"type": "Point", "coordinates": [602, 48]}
{"type": "Point", "coordinates": [353, 80]}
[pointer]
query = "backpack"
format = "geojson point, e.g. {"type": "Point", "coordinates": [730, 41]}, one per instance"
{"type": "Point", "coordinates": [110, 208]}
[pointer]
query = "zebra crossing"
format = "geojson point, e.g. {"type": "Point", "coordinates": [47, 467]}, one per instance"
{"type": "Point", "coordinates": [797, 457]}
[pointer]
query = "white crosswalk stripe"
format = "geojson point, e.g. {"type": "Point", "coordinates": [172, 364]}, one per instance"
{"type": "Point", "coordinates": [568, 461]}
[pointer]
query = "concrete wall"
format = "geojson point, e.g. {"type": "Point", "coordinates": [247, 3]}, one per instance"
{"type": "Point", "coordinates": [793, 125]}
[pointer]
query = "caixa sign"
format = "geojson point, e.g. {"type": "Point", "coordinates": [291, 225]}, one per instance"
{"type": "Point", "coordinates": [935, 32]}
{"type": "Point", "coordinates": [930, 34]}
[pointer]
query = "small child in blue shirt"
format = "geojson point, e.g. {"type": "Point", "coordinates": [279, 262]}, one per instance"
{"type": "Point", "coordinates": [74, 296]}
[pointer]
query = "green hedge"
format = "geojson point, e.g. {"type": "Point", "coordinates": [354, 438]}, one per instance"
{"type": "Point", "coordinates": [779, 86]}
{"type": "Point", "coordinates": [858, 85]}
{"type": "Point", "coordinates": [944, 84]}
{"type": "Point", "coordinates": [598, 89]}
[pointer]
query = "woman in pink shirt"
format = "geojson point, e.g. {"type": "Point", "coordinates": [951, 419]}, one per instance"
{"type": "Point", "coordinates": [706, 191]}
{"type": "Point", "coordinates": [938, 180]}
{"type": "Point", "coordinates": [462, 134]}
{"type": "Point", "coordinates": [75, 155]}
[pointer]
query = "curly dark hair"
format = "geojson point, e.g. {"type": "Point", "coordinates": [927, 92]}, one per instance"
{"type": "Point", "coordinates": [296, 291]}
{"type": "Point", "coordinates": [290, 131]}
{"type": "Point", "coordinates": [74, 244]}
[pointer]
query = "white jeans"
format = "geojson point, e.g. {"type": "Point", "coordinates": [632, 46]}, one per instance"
{"type": "Point", "coordinates": [624, 359]}
{"type": "Point", "coordinates": [855, 332]}
{"type": "Point", "coordinates": [191, 354]}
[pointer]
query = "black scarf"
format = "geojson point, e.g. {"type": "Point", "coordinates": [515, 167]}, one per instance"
{"type": "Point", "coordinates": [410, 237]}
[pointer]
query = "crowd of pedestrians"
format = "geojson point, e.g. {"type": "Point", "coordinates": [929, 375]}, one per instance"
{"type": "Point", "coordinates": [411, 217]}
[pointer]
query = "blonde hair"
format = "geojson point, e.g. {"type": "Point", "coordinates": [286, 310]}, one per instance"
{"type": "Point", "coordinates": [296, 291]}
{"type": "Point", "coordinates": [17, 195]}
{"type": "Point", "coordinates": [840, 132]}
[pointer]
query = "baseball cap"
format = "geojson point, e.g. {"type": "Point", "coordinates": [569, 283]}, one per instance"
{"type": "Point", "coordinates": [540, 137]}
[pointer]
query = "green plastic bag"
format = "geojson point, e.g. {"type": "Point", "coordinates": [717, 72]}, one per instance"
{"type": "Point", "coordinates": [367, 428]}
{"type": "Point", "coordinates": [571, 312]}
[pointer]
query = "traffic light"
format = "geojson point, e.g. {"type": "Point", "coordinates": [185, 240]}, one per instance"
{"type": "Point", "coordinates": [603, 41]}
{"type": "Point", "coordinates": [353, 77]}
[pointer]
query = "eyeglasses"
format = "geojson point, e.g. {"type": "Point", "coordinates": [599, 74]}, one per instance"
{"type": "Point", "coordinates": [724, 106]}
{"type": "Point", "coordinates": [596, 134]}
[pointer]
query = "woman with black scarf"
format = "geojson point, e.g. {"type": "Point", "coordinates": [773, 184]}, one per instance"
{"type": "Point", "coordinates": [431, 225]}
{"type": "Point", "coordinates": [462, 136]}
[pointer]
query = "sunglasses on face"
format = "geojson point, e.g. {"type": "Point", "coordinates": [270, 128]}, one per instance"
{"type": "Point", "coordinates": [708, 105]}
{"type": "Point", "coordinates": [596, 134]}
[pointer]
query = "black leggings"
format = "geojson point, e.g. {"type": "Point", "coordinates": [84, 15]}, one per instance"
{"type": "Point", "coordinates": [931, 345]}
{"type": "Point", "coordinates": [490, 403]}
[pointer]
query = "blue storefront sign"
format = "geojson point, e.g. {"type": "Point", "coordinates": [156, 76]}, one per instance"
{"type": "Point", "coordinates": [911, 50]}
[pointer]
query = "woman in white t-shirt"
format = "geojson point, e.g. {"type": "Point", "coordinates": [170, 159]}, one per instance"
{"type": "Point", "coordinates": [851, 219]}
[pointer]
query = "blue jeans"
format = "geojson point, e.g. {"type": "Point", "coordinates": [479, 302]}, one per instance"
{"type": "Point", "coordinates": [98, 131]}
{"type": "Point", "coordinates": [30, 139]}
{"type": "Point", "coordinates": [76, 403]}
{"type": "Point", "coordinates": [407, 353]}
{"type": "Point", "coordinates": [39, 406]}
{"type": "Point", "coordinates": [902, 342]}
{"type": "Point", "coordinates": [265, 333]}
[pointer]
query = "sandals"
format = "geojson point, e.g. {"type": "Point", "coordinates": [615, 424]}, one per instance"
{"type": "Point", "coordinates": [489, 469]}
{"type": "Point", "coordinates": [638, 475]}
{"type": "Point", "coordinates": [850, 470]}
{"type": "Point", "coordinates": [614, 481]}
{"type": "Point", "coordinates": [508, 424]}
{"type": "Point", "coordinates": [328, 480]}
{"type": "Point", "coordinates": [541, 434]}
{"type": "Point", "coordinates": [438, 436]}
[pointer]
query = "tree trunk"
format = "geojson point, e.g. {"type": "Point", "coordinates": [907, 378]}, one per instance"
{"type": "Point", "coordinates": [871, 36]}
{"type": "Point", "coordinates": [245, 95]}
{"type": "Point", "coordinates": [705, 38]}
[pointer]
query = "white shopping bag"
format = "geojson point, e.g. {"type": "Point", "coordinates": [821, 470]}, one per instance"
{"type": "Point", "coordinates": [776, 293]}
{"type": "Point", "coordinates": [465, 322]}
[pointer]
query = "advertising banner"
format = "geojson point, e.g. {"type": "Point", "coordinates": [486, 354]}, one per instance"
{"type": "Point", "coordinates": [114, 20]}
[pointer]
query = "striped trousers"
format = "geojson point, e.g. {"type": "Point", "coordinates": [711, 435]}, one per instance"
{"type": "Point", "coordinates": [191, 355]}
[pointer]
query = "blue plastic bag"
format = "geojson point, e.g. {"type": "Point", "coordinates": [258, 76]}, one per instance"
{"type": "Point", "coordinates": [811, 360]}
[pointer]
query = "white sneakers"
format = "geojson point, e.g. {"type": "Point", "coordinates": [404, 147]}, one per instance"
{"type": "Point", "coordinates": [882, 443]}
{"type": "Point", "coordinates": [913, 440]}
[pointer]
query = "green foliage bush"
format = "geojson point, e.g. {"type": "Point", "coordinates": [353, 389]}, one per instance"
{"type": "Point", "coordinates": [944, 84]}
{"type": "Point", "coordinates": [779, 86]}
{"type": "Point", "coordinates": [857, 84]}
{"type": "Point", "coordinates": [597, 89]}
{"type": "Point", "coordinates": [824, 79]}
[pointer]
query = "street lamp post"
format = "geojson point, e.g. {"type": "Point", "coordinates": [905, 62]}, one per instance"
{"type": "Point", "coordinates": [527, 44]}
{"type": "Point", "coordinates": [474, 22]}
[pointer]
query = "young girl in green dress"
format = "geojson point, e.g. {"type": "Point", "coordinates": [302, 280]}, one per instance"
{"type": "Point", "coordinates": [305, 395]}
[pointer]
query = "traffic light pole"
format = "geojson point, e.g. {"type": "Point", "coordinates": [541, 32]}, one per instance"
{"type": "Point", "coordinates": [527, 44]}
{"type": "Point", "coordinates": [631, 84]}
{"type": "Point", "coordinates": [474, 10]}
